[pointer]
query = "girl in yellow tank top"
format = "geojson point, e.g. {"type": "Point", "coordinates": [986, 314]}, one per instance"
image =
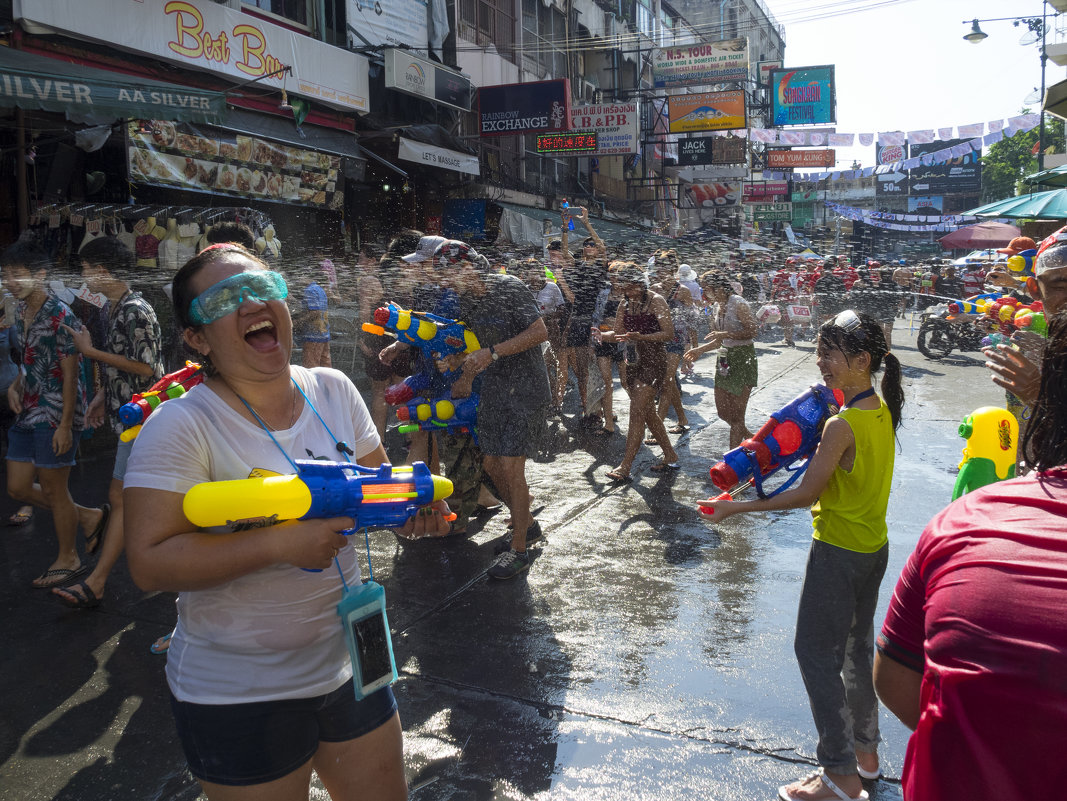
{"type": "Point", "coordinates": [847, 487]}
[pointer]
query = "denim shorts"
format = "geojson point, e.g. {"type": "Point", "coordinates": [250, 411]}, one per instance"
{"type": "Point", "coordinates": [34, 445]}
{"type": "Point", "coordinates": [245, 744]}
{"type": "Point", "coordinates": [122, 456]}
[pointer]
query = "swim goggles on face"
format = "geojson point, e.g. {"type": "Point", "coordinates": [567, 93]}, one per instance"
{"type": "Point", "coordinates": [227, 295]}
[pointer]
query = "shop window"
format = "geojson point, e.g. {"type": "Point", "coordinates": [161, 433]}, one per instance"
{"type": "Point", "coordinates": [488, 22]}
{"type": "Point", "coordinates": [292, 10]}
{"type": "Point", "coordinates": [646, 20]}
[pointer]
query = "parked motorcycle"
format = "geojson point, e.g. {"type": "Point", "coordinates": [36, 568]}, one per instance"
{"type": "Point", "coordinates": [942, 332]}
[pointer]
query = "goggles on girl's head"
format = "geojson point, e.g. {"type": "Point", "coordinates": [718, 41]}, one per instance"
{"type": "Point", "coordinates": [227, 295]}
{"type": "Point", "coordinates": [849, 322]}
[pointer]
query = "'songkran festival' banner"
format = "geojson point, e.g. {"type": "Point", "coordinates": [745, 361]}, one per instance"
{"type": "Point", "coordinates": [803, 96]}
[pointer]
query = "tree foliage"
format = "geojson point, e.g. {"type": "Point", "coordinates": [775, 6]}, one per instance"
{"type": "Point", "coordinates": [1011, 159]}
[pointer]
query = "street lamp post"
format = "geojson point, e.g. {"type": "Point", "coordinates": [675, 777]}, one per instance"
{"type": "Point", "coordinates": [1036, 25]}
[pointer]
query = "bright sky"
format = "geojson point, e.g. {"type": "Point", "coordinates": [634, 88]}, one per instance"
{"type": "Point", "coordinates": [906, 66]}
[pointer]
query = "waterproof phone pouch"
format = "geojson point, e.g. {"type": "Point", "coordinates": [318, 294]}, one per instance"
{"type": "Point", "coordinates": [362, 611]}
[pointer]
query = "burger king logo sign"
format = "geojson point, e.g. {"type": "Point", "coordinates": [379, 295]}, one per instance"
{"type": "Point", "coordinates": [890, 154]}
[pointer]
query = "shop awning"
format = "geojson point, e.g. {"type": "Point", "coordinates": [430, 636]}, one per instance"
{"type": "Point", "coordinates": [283, 129]}
{"type": "Point", "coordinates": [95, 96]}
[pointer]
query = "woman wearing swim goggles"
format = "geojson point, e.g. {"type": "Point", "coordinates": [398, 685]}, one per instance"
{"type": "Point", "coordinates": [227, 295]}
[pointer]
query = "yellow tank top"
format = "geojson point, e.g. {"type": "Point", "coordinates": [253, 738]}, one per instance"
{"type": "Point", "coordinates": [850, 512]}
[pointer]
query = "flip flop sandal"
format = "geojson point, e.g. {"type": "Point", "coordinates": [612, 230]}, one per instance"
{"type": "Point", "coordinates": [20, 518]}
{"type": "Point", "coordinates": [616, 477]}
{"type": "Point", "coordinates": [663, 467]}
{"type": "Point", "coordinates": [96, 537]}
{"type": "Point", "coordinates": [82, 594]}
{"type": "Point", "coordinates": [161, 645]}
{"type": "Point", "coordinates": [678, 429]}
{"type": "Point", "coordinates": [61, 575]}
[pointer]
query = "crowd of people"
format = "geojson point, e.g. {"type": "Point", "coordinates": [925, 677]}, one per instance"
{"type": "Point", "coordinates": [257, 642]}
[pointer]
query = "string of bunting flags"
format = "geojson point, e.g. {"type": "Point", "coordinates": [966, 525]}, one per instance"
{"type": "Point", "coordinates": [976, 134]}
{"type": "Point", "coordinates": [891, 221]}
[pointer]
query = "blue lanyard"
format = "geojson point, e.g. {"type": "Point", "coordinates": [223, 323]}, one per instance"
{"type": "Point", "coordinates": [867, 393]}
{"type": "Point", "coordinates": [342, 448]}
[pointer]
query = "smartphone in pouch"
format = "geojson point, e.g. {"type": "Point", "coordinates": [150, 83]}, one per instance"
{"type": "Point", "coordinates": [370, 645]}
{"type": "Point", "coordinates": [724, 366]}
{"type": "Point", "coordinates": [9, 310]}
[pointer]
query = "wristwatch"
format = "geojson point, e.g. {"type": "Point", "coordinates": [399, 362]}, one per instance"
{"type": "Point", "coordinates": [493, 353]}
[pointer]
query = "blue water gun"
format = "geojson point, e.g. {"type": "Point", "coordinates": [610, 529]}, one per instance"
{"type": "Point", "coordinates": [443, 414]}
{"type": "Point", "coordinates": [789, 437]}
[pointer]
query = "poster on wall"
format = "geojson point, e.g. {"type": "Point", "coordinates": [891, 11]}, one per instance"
{"type": "Point", "coordinates": [959, 174]}
{"type": "Point", "coordinates": [392, 23]}
{"type": "Point", "coordinates": [926, 205]}
{"type": "Point", "coordinates": [221, 162]}
{"type": "Point", "coordinates": [717, 62]}
{"type": "Point", "coordinates": [803, 96]}
{"type": "Point", "coordinates": [706, 111]}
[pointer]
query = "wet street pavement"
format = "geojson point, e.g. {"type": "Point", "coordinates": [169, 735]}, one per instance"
{"type": "Point", "coordinates": [644, 655]}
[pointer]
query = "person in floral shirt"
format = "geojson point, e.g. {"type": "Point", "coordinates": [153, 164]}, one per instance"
{"type": "Point", "coordinates": [49, 401]}
{"type": "Point", "coordinates": [131, 362]}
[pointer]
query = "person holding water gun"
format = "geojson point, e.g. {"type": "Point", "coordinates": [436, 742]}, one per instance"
{"type": "Point", "coordinates": [256, 636]}
{"type": "Point", "coordinates": [847, 486]}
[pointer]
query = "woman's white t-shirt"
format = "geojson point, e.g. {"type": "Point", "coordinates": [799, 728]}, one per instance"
{"type": "Point", "coordinates": [272, 634]}
{"type": "Point", "coordinates": [728, 319]}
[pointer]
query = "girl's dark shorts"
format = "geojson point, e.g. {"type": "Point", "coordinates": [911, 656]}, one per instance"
{"type": "Point", "coordinates": [579, 331]}
{"type": "Point", "coordinates": [245, 744]}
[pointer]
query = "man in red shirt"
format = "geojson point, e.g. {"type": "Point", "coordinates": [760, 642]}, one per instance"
{"type": "Point", "coordinates": [973, 652]}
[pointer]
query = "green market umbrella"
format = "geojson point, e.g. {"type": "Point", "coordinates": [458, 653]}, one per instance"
{"type": "Point", "coordinates": [1056, 176]}
{"type": "Point", "coordinates": [1051, 205]}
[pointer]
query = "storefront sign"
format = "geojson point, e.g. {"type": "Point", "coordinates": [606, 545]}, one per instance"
{"type": "Point", "coordinates": [31, 81]}
{"type": "Point", "coordinates": [957, 175]}
{"type": "Point", "coordinates": [786, 159]}
{"type": "Point", "coordinates": [926, 205]}
{"type": "Point", "coordinates": [397, 22]}
{"type": "Point", "coordinates": [616, 125]}
{"type": "Point", "coordinates": [416, 76]}
{"type": "Point", "coordinates": [567, 144]}
{"type": "Point", "coordinates": [442, 157]}
{"type": "Point", "coordinates": [713, 195]}
{"type": "Point", "coordinates": [712, 150]}
{"type": "Point", "coordinates": [717, 62]}
{"type": "Point", "coordinates": [204, 35]}
{"type": "Point", "coordinates": [771, 212]}
{"type": "Point", "coordinates": [764, 69]}
{"type": "Point", "coordinates": [803, 96]}
{"type": "Point", "coordinates": [225, 163]}
{"type": "Point", "coordinates": [522, 108]}
{"type": "Point", "coordinates": [763, 191]}
{"type": "Point", "coordinates": [707, 111]}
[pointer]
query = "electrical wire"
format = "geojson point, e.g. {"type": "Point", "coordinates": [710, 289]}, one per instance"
{"type": "Point", "coordinates": [699, 31]}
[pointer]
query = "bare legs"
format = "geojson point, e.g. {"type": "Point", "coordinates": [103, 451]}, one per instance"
{"type": "Point", "coordinates": [642, 413]}
{"type": "Point", "coordinates": [732, 409]}
{"type": "Point", "coordinates": [509, 477]}
{"type": "Point", "coordinates": [672, 393]}
{"type": "Point", "coordinates": [604, 363]}
{"type": "Point", "coordinates": [576, 359]}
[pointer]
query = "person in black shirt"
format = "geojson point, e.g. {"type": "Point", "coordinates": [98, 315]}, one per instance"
{"type": "Point", "coordinates": [581, 282]}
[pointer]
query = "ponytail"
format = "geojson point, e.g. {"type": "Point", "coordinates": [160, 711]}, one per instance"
{"type": "Point", "coordinates": [892, 389]}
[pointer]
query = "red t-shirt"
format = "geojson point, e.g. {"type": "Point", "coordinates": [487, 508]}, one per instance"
{"type": "Point", "coordinates": [781, 288]}
{"type": "Point", "coordinates": [984, 598]}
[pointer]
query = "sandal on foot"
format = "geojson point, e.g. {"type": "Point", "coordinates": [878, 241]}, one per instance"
{"type": "Point", "coordinates": [81, 596]}
{"type": "Point", "coordinates": [20, 518]}
{"type": "Point", "coordinates": [870, 775]}
{"type": "Point", "coordinates": [678, 429]}
{"type": "Point", "coordinates": [618, 477]}
{"type": "Point", "coordinates": [161, 645]}
{"type": "Point", "coordinates": [651, 441]}
{"type": "Point", "coordinates": [95, 538]}
{"type": "Point", "coordinates": [663, 467]}
{"type": "Point", "coordinates": [785, 795]}
{"type": "Point", "coordinates": [59, 577]}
